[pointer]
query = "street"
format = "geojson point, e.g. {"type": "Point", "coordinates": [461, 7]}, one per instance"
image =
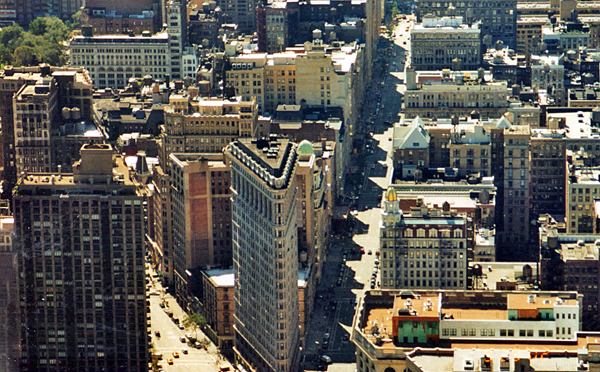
{"type": "Point", "coordinates": [169, 340]}
{"type": "Point", "coordinates": [347, 273]}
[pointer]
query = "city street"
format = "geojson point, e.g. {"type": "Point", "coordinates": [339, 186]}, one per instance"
{"type": "Point", "coordinates": [347, 275]}
{"type": "Point", "coordinates": [169, 340]}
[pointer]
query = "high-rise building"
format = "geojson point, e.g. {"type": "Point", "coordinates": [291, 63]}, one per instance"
{"type": "Point", "coordinates": [80, 245]}
{"type": "Point", "coordinates": [201, 205]}
{"type": "Point", "coordinates": [9, 294]}
{"type": "Point", "coordinates": [265, 253]}
{"type": "Point", "coordinates": [32, 100]}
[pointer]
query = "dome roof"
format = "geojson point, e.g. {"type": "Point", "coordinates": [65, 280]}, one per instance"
{"type": "Point", "coordinates": [305, 148]}
{"type": "Point", "coordinates": [390, 195]}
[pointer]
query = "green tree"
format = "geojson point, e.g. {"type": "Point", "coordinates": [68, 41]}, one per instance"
{"type": "Point", "coordinates": [11, 37]}
{"type": "Point", "coordinates": [75, 22]}
{"type": "Point", "coordinates": [194, 322]}
{"type": "Point", "coordinates": [24, 56]}
{"type": "Point", "coordinates": [56, 30]}
{"type": "Point", "coordinates": [395, 11]}
{"type": "Point", "coordinates": [6, 56]}
{"type": "Point", "coordinates": [38, 26]}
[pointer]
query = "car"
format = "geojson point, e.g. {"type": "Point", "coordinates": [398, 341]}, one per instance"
{"type": "Point", "coordinates": [325, 359]}
{"type": "Point", "coordinates": [326, 336]}
{"type": "Point", "coordinates": [157, 333]}
{"type": "Point", "coordinates": [162, 305]}
{"type": "Point", "coordinates": [369, 252]}
{"type": "Point", "coordinates": [198, 345]}
{"type": "Point", "coordinates": [175, 354]}
{"type": "Point", "coordinates": [362, 250]}
{"type": "Point", "coordinates": [182, 339]}
{"type": "Point", "coordinates": [377, 253]}
{"type": "Point", "coordinates": [339, 282]}
{"type": "Point", "coordinates": [377, 260]}
{"type": "Point", "coordinates": [325, 344]}
{"type": "Point", "coordinates": [181, 326]}
{"type": "Point", "coordinates": [372, 285]}
{"type": "Point", "coordinates": [153, 293]}
{"type": "Point", "coordinates": [170, 361]}
{"type": "Point", "coordinates": [185, 351]}
{"type": "Point", "coordinates": [374, 276]}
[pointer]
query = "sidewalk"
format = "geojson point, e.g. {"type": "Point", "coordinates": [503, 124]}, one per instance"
{"type": "Point", "coordinates": [178, 313]}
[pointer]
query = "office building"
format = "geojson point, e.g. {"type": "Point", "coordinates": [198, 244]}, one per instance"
{"type": "Point", "coordinates": [10, 335]}
{"type": "Point", "coordinates": [499, 20]}
{"type": "Point", "coordinates": [81, 251]}
{"type": "Point", "coordinates": [461, 44]}
{"type": "Point", "coordinates": [265, 253]}
{"type": "Point", "coordinates": [427, 91]}
{"type": "Point", "coordinates": [426, 248]}
{"type": "Point", "coordinates": [114, 59]}
{"type": "Point", "coordinates": [480, 328]}
{"type": "Point", "coordinates": [28, 10]}
{"type": "Point", "coordinates": [277, 24]}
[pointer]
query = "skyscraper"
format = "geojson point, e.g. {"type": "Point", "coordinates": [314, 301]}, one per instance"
{"type": "Point", "coordinates": [80, 246]}
{"type": "Point", "coordinates": [265, 253]}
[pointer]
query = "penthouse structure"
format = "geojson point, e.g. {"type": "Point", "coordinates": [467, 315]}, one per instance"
{"type": "Point", "coordinates": [80, 245]}
{"type": "Point", "coordinates": [392, 325]}
{"type": "Point", "coordinates": [265, 254]}
{"type": "Point", "coordinates": [424, 249]}
{"type": "Point", "coordinates": [461, 46]}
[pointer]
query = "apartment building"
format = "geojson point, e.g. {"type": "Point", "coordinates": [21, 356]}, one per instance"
{"type": "Point", "coordinates": [458, 93]}
{"type": "Point", "coordinates": [219, 306]}
{"type": "Point", "coordinates": [114, 59]}
{"type": "Point", "coordinates": [9, 316]}
{"type": "Point", "coordinates": [201, 207]}
{"type": "Point", "coordinates": [411, 147]}
{"type": "Point", "coordinates": [206, 125]}
{"type": "Point", "coordinates": [470, 151]}
{"type": "Point", "coordinates": [265, 256]}
{"type": "Point", "coordinates": [80, 246]}
{"type": "Point", "coordinates": [426, 248]}
{"type": "Point", "coordinates": [437, 42]}
{"type": "Point", "coordinates": [570, 262]}
{"type": "Point", "coordinates": [497, 19]}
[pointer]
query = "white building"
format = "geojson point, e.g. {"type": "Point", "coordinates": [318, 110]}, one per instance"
{"type": "Point", "coordinates": [113, 59]}
{"type": "Point", "coordinates": [265, 253]}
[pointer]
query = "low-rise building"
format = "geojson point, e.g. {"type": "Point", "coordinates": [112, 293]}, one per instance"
{"type": "Point", "coordinates": [390, 326]}
{"type": "Point", "coordinates": [461, 46]}
{"type": "Point", "coordinates": [433, 95]}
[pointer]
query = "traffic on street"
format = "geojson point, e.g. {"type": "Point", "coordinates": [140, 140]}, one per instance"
{"type": "Point", "coordinates": [352, 259]}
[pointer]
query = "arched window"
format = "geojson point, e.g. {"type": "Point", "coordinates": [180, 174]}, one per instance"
{"type": "Point", "coordinates": [389, 369]}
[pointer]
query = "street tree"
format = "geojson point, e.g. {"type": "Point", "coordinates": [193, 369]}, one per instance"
{"type": "Point", "coordinates": [194, 322]}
